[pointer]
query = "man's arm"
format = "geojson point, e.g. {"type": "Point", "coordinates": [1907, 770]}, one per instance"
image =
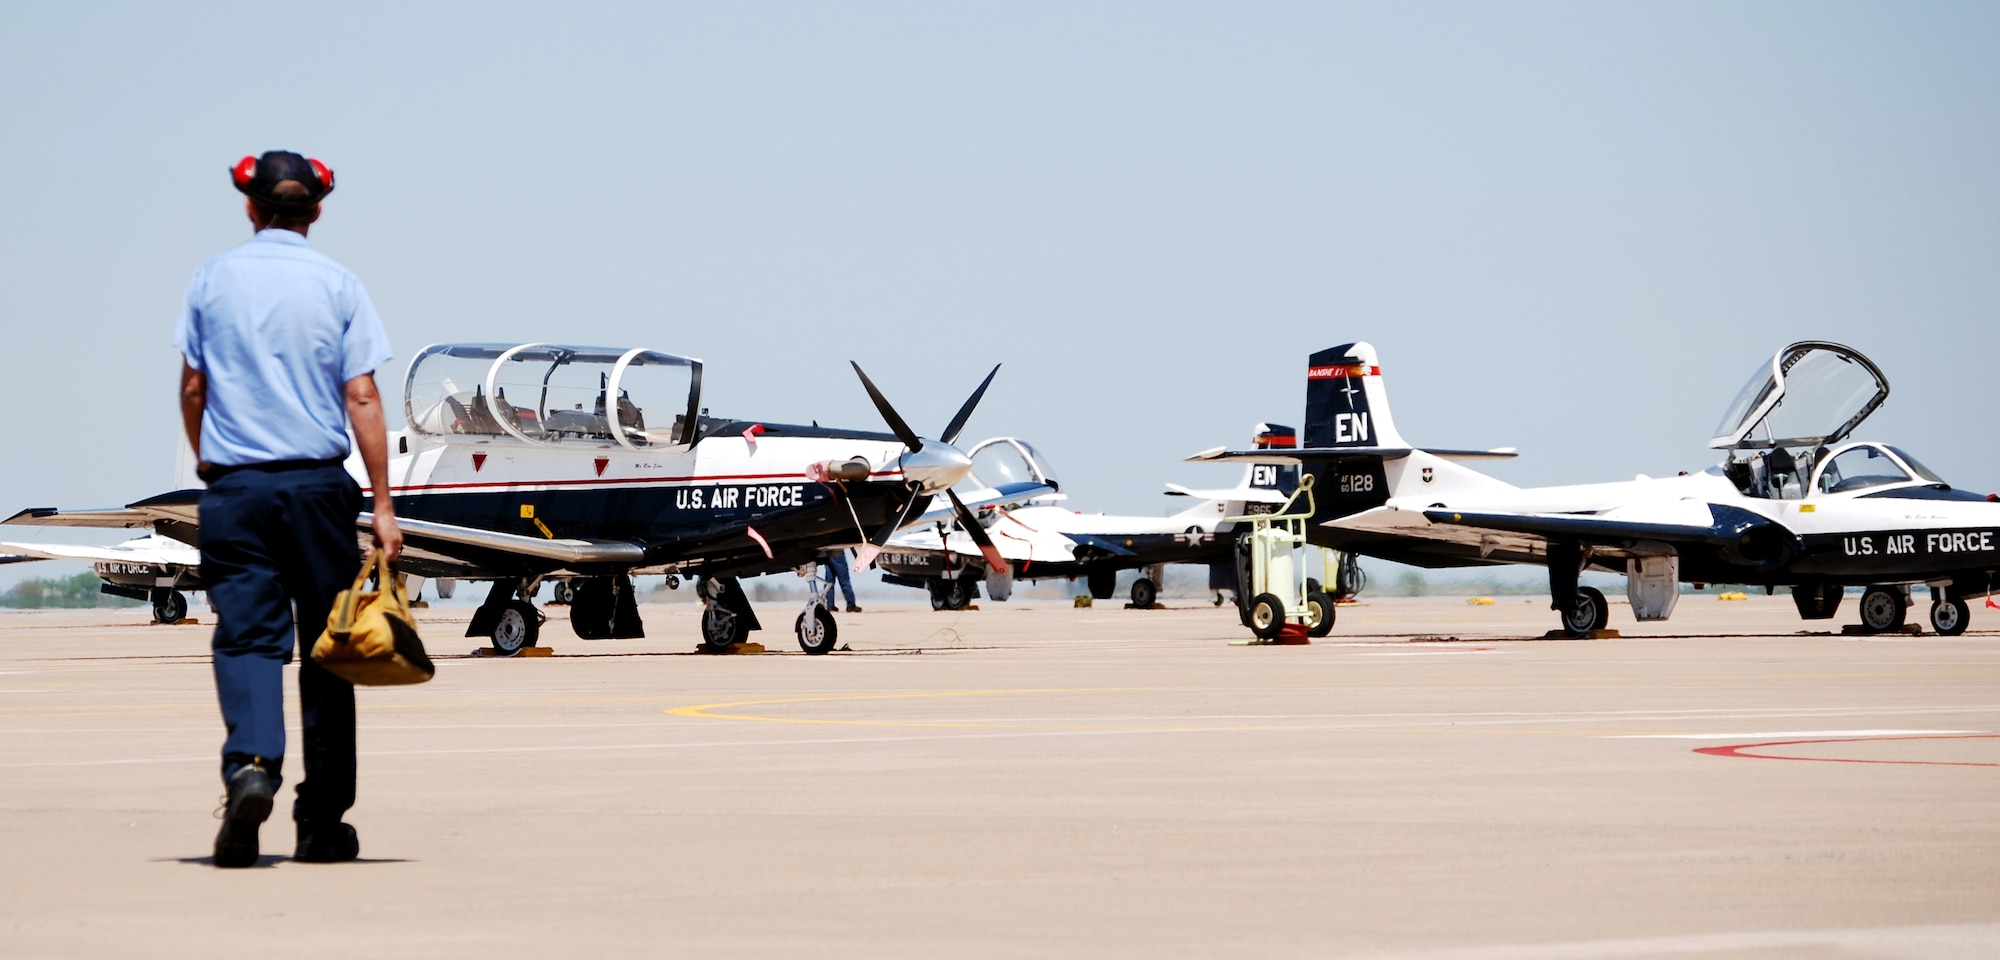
{"type": "Point", "coordinates": [194, 403]}
{"type": "Point", "coordinates": [364, 412]}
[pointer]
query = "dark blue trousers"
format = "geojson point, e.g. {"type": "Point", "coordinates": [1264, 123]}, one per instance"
{"type": "Point", "coordinates": [278, 543]}
{"type": "Point", "coordinates": [836, 567]}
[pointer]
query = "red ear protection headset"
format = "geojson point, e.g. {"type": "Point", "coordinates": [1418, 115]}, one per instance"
{"type": "Point", "coordinates": [283, 166]}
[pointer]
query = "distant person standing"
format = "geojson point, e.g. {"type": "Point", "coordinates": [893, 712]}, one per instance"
{"type": "Point", "coordinates": [280, 348]}
{"type": "Point", "coordinates": [836, 567]}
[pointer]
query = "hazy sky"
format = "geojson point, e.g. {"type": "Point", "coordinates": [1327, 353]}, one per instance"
{"type": "Point", "coordinates": [1571, 228]}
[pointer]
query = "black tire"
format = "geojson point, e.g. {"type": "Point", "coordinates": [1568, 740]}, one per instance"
{"type": "Point", "coordinates": [1103, 584]}
{"type": "Point", "coordinates": [958, 594]}
{"type": "Point", "coordinates": [519, 625]}
{"type": "Point", "coordinates": [1266, 616]}
{"type": "Point", "coordinates": [721, 627]}
{"type": "Point", "coordinates": [820, 634]}
{"type": "Point", "coordinates": [1319, 621]}
{"type": "Point", "coordinates": [1883, 610]}
{"type": "Point", "coordinates": [591, 608]}
{"type": "Point", "coordinates": [562, 592]}
{"type": "Point", "coordinates": [1950, 616]}
{"type": "Point", "coordinates": [170, 606]}
{"type": "Point", "coordinates": [1145, 593]}
{"type": "Point", "coordinates": [937, 590]}
{"type": "Point", "coordinates": [1589, 615]}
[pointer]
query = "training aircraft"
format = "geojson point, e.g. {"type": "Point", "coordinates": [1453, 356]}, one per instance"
{"type": "Point", "coordinates": [1793, 504]}
{"type": "Point", "coordinates": [154, 568]}
{"type": "Point", "coordinates": [602, 466]}
{"type": "Point", "coordinates": [1044, 541]}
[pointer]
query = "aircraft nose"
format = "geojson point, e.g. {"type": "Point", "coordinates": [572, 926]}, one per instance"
{"type": "Point", "coordinates": [937, 466]}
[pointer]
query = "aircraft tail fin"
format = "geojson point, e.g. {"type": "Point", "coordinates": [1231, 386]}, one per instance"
{"type": "Point", "coordinates": [1346, 404]}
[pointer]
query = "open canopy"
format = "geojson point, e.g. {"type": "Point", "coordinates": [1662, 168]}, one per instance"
{"type": "Point", "coordinates": [1811, 394]}
{"type": "Point", "coordinates": [548, 393]}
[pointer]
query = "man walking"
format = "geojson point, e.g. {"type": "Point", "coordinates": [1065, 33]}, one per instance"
{"type": "Point", "coordinates": [280, 347]}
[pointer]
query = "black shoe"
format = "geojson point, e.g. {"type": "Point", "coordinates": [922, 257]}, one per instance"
{"type": "Point", "coordinates": [851, 608]}
{"type": "Point", "coordinates": [245, 806]}
{"type": "Point", "coordinates": [327, 843]}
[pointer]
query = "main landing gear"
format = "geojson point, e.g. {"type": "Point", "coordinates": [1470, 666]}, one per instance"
{"type": "Point", "coordinates": [954, 594]}
{"type": "Point", "coordinates": [726, 617]}
{"type": "Point", "coordinates": [1884, 609]}
{"type": "Point", "coordinates": [1583, 609]}
{"type": "Point", "coordinates": [508, 617]}
{"type": "Point", "coordinates": [169, 606]}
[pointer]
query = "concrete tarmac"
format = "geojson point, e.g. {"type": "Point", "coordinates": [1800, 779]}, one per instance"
{"type": "Point", "coordinates": [1034, 780]}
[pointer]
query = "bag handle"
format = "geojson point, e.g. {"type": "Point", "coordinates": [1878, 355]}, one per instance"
{"type": "Point", "coordinates": [342, 621]}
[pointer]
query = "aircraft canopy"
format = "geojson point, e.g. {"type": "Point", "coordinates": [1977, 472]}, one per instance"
{"type": "Point", "coordinates": [1811, 394]}
{"type": "Point", "coordinates": [545, 393]}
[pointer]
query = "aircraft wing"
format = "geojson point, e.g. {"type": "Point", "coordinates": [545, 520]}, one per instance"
{"type": "Point", "coordinates": [565, 551]}
{"type": "Point", "coordinates": [1681, 523]}
{"type": "Point", "coordinates": [1004, 495]}
{"type": "Point", "coordinates": [147, 550]}
{"type": "Point", "coordinates": [179, 506]}
{"type": "Point", "coordinates": [1244, 494]}
{"type": "Point", "coordinates": [1307, 454]}
{"type": "Point", "coordinates": [1107, 544]}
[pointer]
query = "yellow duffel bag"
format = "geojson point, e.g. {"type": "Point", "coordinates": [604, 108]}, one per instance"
{"type": "Point", "coordinates": [370, 637]}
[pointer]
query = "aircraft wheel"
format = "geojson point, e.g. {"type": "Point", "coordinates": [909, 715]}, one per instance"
{"type": "Point", "coordinates": [1102, 584]}
{"type": "Point", "coordinates": [519, 625]}
{"type": "Point", "coordinates": [1144, 592]}
{"type": "Point", "coordinates": [817, 632]}
{"type": "Point", "coordinates": [1319, 614]}
{"type": "Point", "coordinates": [170, 606]}
{"type": "Point", "coordinates": [563, 592]}
{"type": "Point", "coordinates": [1266, 616]}
{"type": "Point", "coordinates": [936, 589]}
{"type": "Point", "coordinates": [957, 594]}
{"type": "Point", "coordinates": [1883, 609]}
{"type": "Point", "coordinates": [1950, 616]}
{"type": "Point", "coordinates": [673, 581]}
{"type": "Point", "coordinates": [720, 626]}
{"type": "Point", "coordinates": [1590, 614]}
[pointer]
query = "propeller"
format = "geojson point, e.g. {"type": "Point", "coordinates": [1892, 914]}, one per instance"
{"type": "Point", "coordinates": [929, 466]}
{"type": "Point", "coordinates": [970, 522]}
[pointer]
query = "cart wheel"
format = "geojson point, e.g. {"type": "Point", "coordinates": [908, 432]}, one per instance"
{"type": "Point", "coordinates": [1267, 616]}
{"type": "Point", "coordinates": [1144, 593]}
{"type": "Point", "coordinates": [1950, 616]}
{"type": "Point", "coordinates": [1319, 616]}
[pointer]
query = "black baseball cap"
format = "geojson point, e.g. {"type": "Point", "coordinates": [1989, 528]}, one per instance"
{"type": "Point", "coordinates": [258, 177]}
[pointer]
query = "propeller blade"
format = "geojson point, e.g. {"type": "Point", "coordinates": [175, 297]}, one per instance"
{"type": "Point", "coordinates": [950, 434]}
{"type": "Point", "coordinates": [917, 504]}
{"type": "Point", "coordinates": [970, 521]}
{"type": "Point", "coordinates": [896, 425]}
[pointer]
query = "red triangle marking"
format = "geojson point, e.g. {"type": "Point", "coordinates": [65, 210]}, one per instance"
{"type": "Point", "coordinates": [478, 460]}
{"type": "Point", "coordinates": [602, 462]}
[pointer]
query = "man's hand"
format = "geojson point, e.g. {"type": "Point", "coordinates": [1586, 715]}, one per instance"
{"type": "Point", "coordinates": [388, 536]}
{"type": "Point", "coordinates": [364, 412]}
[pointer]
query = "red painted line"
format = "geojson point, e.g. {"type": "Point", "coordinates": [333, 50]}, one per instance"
{"type": "Point", "coordinates": [800, 477]}
{"type": "Point", "coordinates": [1740, 750]}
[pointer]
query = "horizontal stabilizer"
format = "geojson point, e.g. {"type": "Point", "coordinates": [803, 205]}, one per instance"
{"type": "Point", "coordinates": [1312, 454]}
{"type": "Point", "coordinates": [106, 517]}
{"type": "Point", "coordinates": [1244, 494]}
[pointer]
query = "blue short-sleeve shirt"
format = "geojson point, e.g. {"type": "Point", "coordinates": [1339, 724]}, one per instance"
{"type": "Point", "coordinates": [278, 329]}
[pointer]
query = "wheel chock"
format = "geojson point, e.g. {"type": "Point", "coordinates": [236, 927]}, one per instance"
{"type": "Point", "coordinates": [1156, 606]}
{"type": "Point", "coordinates": [735, 648]}
{"type": "Point", "coordinates": [1081, 600]}
{"type": "Point", "coordinates": [1291, 635]}
{"type": "Point", "coordinates": [1594, 635]}
{"type": "Point", "coordinates": [523, 652]}
{"type": "Point", "coordinates": [1478, 601]}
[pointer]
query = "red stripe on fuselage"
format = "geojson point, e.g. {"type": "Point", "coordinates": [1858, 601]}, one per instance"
{"type": "Point", "coordinates": [799, 477]}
